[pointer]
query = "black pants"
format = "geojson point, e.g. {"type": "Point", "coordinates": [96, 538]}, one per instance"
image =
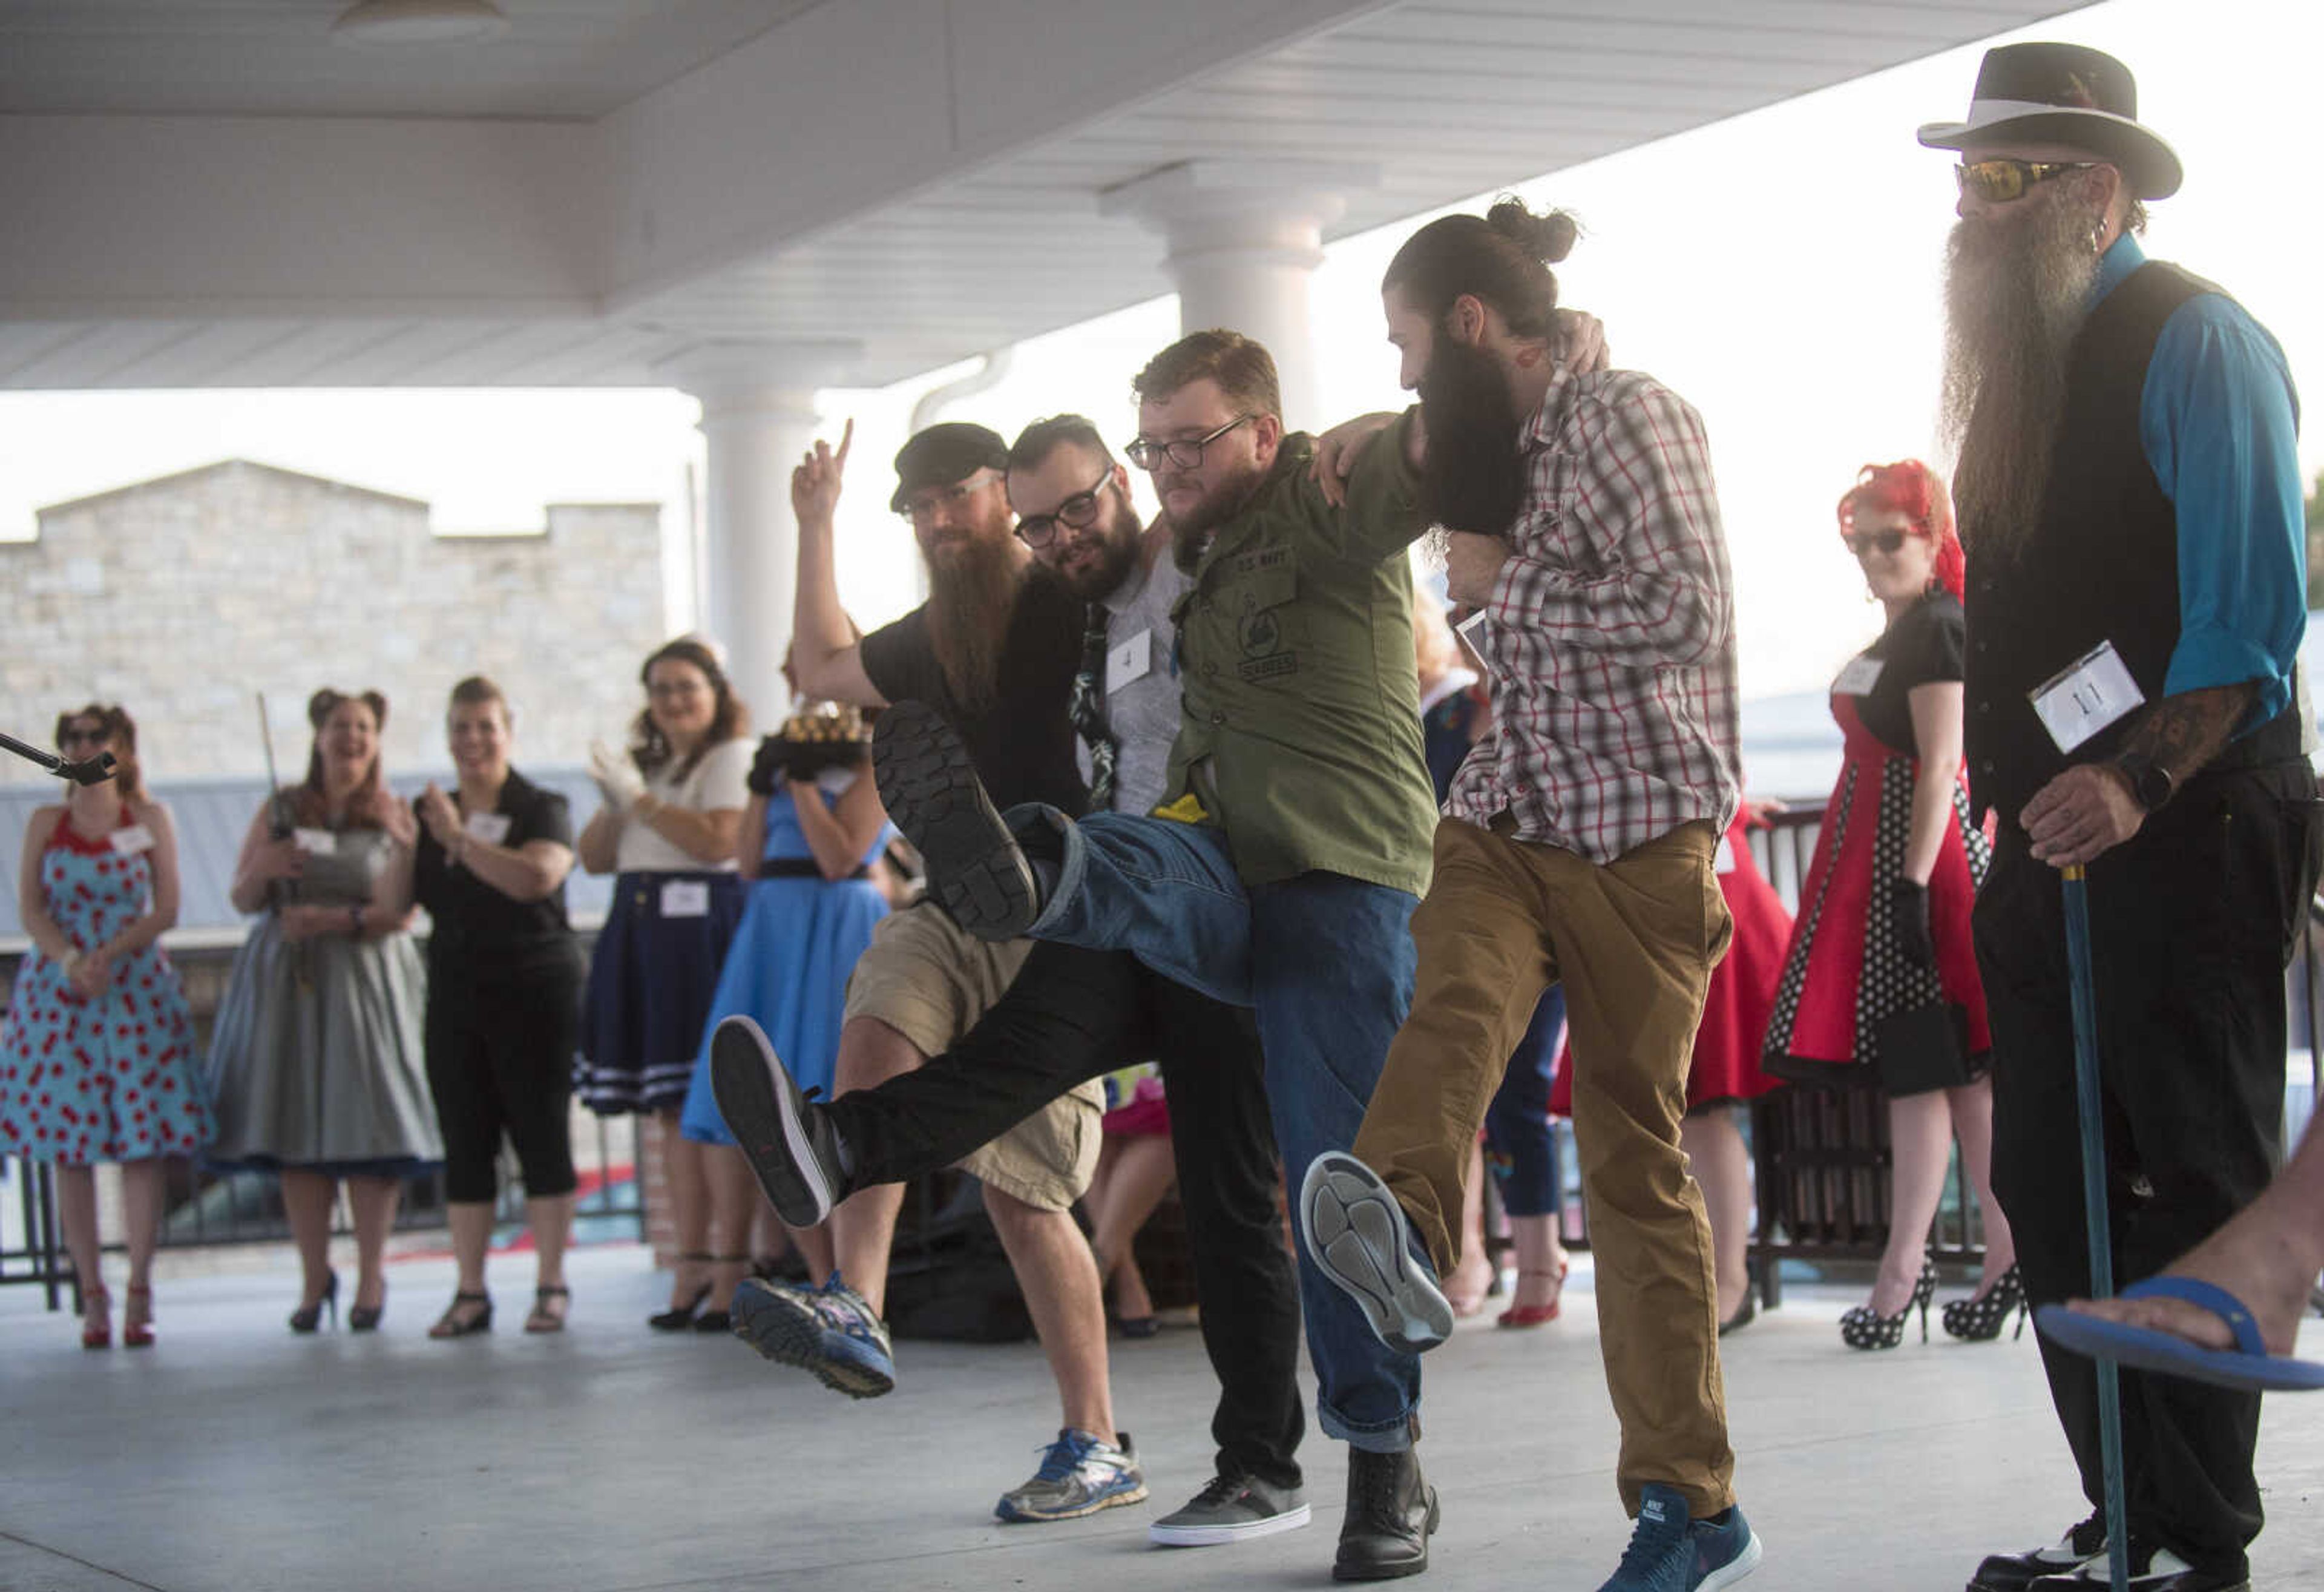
{"type": "Point", "coordinates": [2192, 921]}
{"type": "Point", "coordinates": [500, 1060]}
{"type": "Point", "coordinates": [1073, 1015]}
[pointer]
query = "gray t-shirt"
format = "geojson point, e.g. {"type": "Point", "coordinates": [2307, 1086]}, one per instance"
{"type": "Point", "coordinates": [1141, 677]}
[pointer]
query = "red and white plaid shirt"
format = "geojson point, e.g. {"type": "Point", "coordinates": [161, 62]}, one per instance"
{"type": "Point", "coordinates": [1611, 630]}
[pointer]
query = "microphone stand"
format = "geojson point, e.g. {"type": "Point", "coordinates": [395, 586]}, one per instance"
{"type": "Point", "coordinates": [92, 770]}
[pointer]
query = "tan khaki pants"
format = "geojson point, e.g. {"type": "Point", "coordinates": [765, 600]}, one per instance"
{"type": "Point", "coordinates": [1633, 942]}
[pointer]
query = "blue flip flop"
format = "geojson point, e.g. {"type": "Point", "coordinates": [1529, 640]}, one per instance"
{"type": "Point", "coordinates": [2247, 1366]}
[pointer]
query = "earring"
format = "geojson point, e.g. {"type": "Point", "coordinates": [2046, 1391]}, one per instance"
{"type": "Point", "coordinates": [2097, 238]}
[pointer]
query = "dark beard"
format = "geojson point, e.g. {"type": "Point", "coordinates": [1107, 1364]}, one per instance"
{"type": "Point", "coordinates": [2016, 296]}
{"type": "Point", "coordinates": [971, 596]}
{"type": "Point", "coordinates": [1472, 478]}
{"type": "Point", "coordinates": [1119, 541]}
{"type": "Point", "coordinates": [1189, 536]}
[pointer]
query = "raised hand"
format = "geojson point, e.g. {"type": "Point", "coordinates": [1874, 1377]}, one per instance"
{"type": "Point", "coordinates": [1582, 342]}
{"type": "Point", "coordinates": [815, 485]}
{"type": "Point", "coordinates": [442, 819]}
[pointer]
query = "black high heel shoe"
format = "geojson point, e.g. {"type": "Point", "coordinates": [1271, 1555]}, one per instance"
{"type": "Point", "coordinates": [1864, 1329]}
{"type": "Point", "coordinates": [454, 1323]}
{"type": "Point", "coordinates": [365, 1317]}
{"type": "Point", "coordinates": [308, 1317]}
{"type": "Point", "coordinates": [720, 1321]}
{"type": "Point", "coordinates": [1980, 1318]}
{"type": "Point", "coordinates": [679, 1317]}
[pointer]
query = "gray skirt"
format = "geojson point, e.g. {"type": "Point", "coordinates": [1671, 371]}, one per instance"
{"type": "Point", "coordinates": [317, 1060]}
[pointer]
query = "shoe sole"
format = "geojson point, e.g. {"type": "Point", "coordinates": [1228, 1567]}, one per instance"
{"type": "Point", "coordinates": [1163, 1534]}
{"type": "Point", "coordinates": [976, 871]}
{"type": "Point", "coordinates": [1735, 1568]}
{"type": "Point", "coordinates": [1010, 1514]}
{"type": "Point", "coordinates": [788, 1335]}
{"type": "Point", "coordinates": [1357, 1236]}
{"type": "Point", "coordinates": [1392, 1572]}
{"type": "Point", "coordinates": [761, 1105]}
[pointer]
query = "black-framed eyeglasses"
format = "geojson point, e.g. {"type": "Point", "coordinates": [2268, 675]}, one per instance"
{"type": "Point", "coordinates": [1149, 453]}
{"type": "Point", "coordinates": [1079, 512]}
{"type": "Point", "coordinates": [1888, 542]}
{"type": "Point", "coordinates": [1998, 180]}
{"type": "Point", "coordinates": [921, 506]}
{"type": "Point", "coordinates": [76, 736]}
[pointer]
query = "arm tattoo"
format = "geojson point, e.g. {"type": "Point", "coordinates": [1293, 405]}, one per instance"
{"type": "Point", "coordinates": [2184, 731]}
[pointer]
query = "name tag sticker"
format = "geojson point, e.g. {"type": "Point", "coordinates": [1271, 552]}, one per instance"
{"type": "Point", "coordinates": [491, 827]}
{"type": "Point", "coordinates": [316, 842]}
{"type": "Point", "coordinates": [685, 898]}
{"type": "Point", "coordinates": [132, 839]}
{"type": "Point", "coordinates": [1858, 678]}
{"type": "Point", "coordinates": [1722, 861]}
{"type": "Point", "coordinates": [2085, 696]}
{"type": "Point", "coordinates": [1129, 661]}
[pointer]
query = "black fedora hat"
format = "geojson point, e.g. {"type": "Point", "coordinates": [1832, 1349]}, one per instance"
{"type": "Point", "coordinates": [2063, 94]}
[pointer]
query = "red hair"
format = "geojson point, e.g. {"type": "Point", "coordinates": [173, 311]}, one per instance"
{"type": "Point", "coordinates": [1918, 491]}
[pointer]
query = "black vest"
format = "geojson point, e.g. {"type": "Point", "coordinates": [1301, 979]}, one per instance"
{"type": "Point", "coordinates": [2103, 565]}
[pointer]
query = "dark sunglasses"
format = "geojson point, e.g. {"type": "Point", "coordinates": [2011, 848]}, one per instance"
{"type": "Point", "coordinates": [1888, 542]}
{"type": "Point", "coordinates": [75, 736]}
{"type": "Point", "coordinates": [1997, 181]}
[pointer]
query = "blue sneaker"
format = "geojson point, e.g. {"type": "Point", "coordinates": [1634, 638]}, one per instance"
{"type": "Point", "coordinates": [829, 1332]}
{"type": "Point", "coordinates": [1080, 1474]}
{"type": "Point", "coordinates": [1668, 1552]}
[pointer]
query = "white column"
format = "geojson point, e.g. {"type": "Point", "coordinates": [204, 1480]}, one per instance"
{"type": "Point", "coordinates": [1245, 238]}
{"type": "Point", "coordinates": [758, 417]}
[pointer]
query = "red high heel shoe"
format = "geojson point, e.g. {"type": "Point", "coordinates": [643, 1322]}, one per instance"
{"type": "Point", "coordinates": [1539, 1315]}
{"type": "Point", "coordinates": [136, 1321]}
{"type": "Point", "coordinates": [101, 1335]}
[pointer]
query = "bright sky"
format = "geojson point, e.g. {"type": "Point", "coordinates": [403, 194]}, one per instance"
{"type": "Point", "coordinates": [1780, 271]}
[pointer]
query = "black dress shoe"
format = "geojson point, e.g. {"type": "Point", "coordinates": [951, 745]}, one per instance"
{"type": "Point", "coordinates": [2014, 1572]}
{"type": "Point", "coordinates": [2151, 1569]}
{"type": "Point", "coordinates": [1391, 1510]}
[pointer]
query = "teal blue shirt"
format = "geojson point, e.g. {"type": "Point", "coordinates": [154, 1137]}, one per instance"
{"type": "Point", "coordinates": [2219, 422]}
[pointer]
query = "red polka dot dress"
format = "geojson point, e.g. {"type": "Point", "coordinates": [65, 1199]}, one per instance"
{"type": "Point", "coordinates": [115, 1078]}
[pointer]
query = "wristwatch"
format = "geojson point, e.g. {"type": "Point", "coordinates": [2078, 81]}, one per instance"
{"type": "Point", "coordinates": [2150, 783]}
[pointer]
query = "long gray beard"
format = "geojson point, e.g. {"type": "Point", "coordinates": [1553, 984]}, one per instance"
{"type": "Point", "coordinates": [2014, 298]}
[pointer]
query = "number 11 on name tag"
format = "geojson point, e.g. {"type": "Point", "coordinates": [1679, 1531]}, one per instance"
{"type": "Point", "coordinates": [2085, 696]}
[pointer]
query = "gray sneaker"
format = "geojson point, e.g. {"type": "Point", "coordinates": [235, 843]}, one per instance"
{"type": "Point", "coordinates": [1080, 1474]}
{"type": "Point", "coordinates": [1232, 1509]}
{"type": "Point", "coordinates": [1357, 1235]}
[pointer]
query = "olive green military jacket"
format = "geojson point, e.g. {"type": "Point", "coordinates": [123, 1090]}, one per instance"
{"type": "Point", "coordinates": [1300, 734]}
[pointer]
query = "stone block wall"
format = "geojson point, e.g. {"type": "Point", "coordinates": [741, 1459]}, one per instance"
{"type": "Point", "coordinates": [183, 597]}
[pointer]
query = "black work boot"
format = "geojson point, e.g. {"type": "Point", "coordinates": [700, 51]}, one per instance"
{"type": "Point", "coordinates": [1391, 1510]}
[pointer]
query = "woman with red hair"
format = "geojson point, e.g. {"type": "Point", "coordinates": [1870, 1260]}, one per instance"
{"type": "Point", "coordinates": [1880, 987]}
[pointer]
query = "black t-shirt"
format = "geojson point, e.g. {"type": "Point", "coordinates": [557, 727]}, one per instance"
{"type": "Point", "coordinates": [1023, 746]}
{"type": "Point", "coordinates": [1924, 645]}
{"type": "Point", "coordinates": [481, 934]}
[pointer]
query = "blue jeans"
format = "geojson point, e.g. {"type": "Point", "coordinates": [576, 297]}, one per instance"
{"type": "Point", "coordinates": [1326, 961]}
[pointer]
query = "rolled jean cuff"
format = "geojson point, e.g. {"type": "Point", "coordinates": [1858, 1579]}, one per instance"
{"type": "Point", "coordinates": [1388, 1437]}
{"type": "Point", "coordinates": [1049, 824]}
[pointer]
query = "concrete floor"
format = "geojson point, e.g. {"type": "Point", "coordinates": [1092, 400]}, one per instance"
{"type": "Point", "coordinates": [610, 1459]}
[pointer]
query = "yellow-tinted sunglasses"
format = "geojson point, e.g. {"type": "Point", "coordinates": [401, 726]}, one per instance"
{"type": "Point", "coordinates": [1997, 181]}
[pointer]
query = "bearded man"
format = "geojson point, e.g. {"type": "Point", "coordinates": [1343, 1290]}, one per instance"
{"type": "Point", "coordinates": [1071, 1016]}
{"type": "Point", "coordinates": [993, 651]}
{"type": "Point", "coordinates": [2130, 500]}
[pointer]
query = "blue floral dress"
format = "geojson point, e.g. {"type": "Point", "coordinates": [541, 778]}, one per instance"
{"type": "Point", "coordinates": [116, 1078]}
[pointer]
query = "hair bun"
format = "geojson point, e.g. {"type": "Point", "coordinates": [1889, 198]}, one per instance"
{"type": "Point", "coordinates": [1548, 237]}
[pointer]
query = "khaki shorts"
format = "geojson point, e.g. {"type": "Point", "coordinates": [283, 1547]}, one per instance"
{"type": "Point", "coordinates": [930, 980]}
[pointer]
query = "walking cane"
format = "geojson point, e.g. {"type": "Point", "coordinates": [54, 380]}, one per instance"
{"type": "Point", "coordinates": [2088, 1108]}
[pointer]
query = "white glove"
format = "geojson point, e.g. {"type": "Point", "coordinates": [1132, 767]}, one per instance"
{"type": "Point", "coordinates": [617, 777]}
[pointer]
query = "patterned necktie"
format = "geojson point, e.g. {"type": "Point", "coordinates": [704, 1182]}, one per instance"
{"type": "Point", "coordinates": [1086, 709]}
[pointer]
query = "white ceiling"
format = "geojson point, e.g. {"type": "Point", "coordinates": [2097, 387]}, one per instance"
{"type": "Point", "coordinates": [211, 193]}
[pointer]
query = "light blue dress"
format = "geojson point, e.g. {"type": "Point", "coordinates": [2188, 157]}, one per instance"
{"type": "Point", "coordinates": [789, 965]}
